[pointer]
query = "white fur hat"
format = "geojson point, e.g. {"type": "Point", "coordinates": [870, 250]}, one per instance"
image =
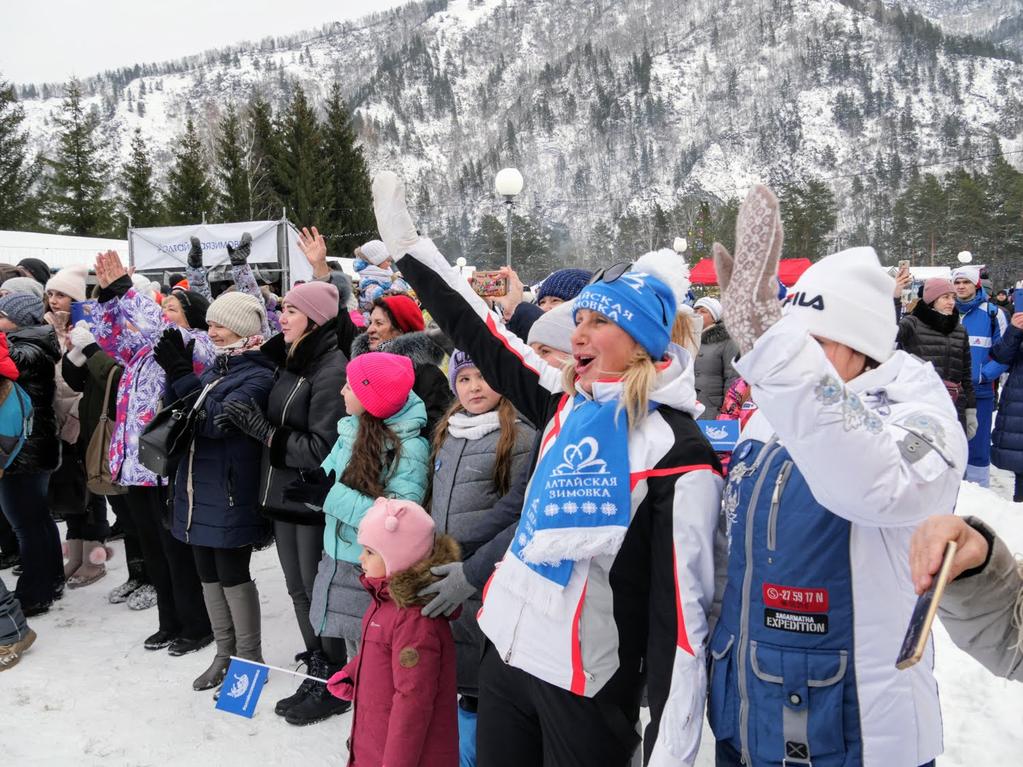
{"type": "Point", "coordinates": [848, 298]}
{"type": "Point", "coordinates": [670, 268]}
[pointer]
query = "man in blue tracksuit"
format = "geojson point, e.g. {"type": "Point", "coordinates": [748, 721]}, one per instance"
{"type": "Point", "coordinates": [984, 324]}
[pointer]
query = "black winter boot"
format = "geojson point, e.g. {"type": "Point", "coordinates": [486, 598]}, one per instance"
{"type": "Point", "coordinates": [318, 703]}
{"type": "Point", "coordinates": [285, 704]}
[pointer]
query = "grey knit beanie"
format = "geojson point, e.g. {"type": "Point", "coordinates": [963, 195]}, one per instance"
{"type": "Point", "coordinates": [240, 313]}
{"type": "Point", "coordinates": [22, 285]}
{"type": "Point", "coordinates": [23, 309]}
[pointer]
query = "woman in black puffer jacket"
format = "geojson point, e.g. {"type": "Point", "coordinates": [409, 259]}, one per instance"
{"type": "Point", "coordinates": [301, 420]}
{"type": "Point", "coordinates": [33, 350]}
{"type": "Point", "coordinates": [933, 333]}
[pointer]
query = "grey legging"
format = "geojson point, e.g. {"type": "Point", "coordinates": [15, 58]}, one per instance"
{"type": "Point", "coordinates": [299, 548]}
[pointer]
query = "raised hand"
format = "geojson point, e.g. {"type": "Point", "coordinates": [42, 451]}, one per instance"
{"type": "Point", "coordinates": [749, 281]}
{"type": "Point", "coordinates": [513, 297]}
{"type": "Point", "coordinates": [239, 256]}
{"type": "Point", "coordinates": [394, 222]}
{"type": "Point", "coordinates": [195, 253]}
{"type": "Point", "coordinates": [109, 268]}
{"type": "Point", "coordinates": [314, 248]}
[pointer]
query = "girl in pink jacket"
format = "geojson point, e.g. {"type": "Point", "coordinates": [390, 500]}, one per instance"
{"type": "Point", "coordinates": [403, 679]}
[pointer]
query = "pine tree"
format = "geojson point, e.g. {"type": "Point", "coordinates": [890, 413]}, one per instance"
{"type": "Point", "coordinates": [77, 201]}
{"type": "Point", "coordinates": [808, 215]}
{"type": "Point", "coordinates": [139, 200]}
{"type": "Point", "coordinates": [350, 204]}
{"type": "Point", "coordinates": [234, 202]}
{"type": "Point", "coordinates": [189, 192]}
{"type": "Point", "coordinates": [300, 170]}
{"type": "Point", "coordinates": [18, 172]}
{"type": "Point", "coordinates": [262, 146]}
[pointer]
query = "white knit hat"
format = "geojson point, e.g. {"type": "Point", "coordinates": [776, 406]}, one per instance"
{"type": "Point", "coordinates": [240, 313]}
{"type": "Point", "coordinates": [971, 273]}
{"type": "Point", "coordinates": [712, 305]}
{"type": "Point", "coordinates": [555, 328]}
{"type": "Point", "coordinates": [848, 298]}
{"type": "Point", "coordinates": [670, 268]}
{"type": "Point", "coordinates": [375, 252]}
{"type": "Point", "coordinates": [70, 281]}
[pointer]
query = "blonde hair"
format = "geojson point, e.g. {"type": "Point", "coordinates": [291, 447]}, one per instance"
{"type": "Point", "coordinates": [638, 381]}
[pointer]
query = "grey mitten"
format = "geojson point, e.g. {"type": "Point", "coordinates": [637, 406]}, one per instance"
{"type": "Point", "coordinates": [240, 255]}
{"type": "Point", "coordinates": [195, 253]}
{"type": "Point", "coordinates": [451, 590]}
{"type": "Point", "coordinates": [971, 422]}
{"type": "Point", "coordinates": [749, 281]}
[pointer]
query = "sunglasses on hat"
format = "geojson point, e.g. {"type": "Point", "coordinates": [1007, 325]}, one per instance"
{"type": "Point", "coordinates": [614, 272]}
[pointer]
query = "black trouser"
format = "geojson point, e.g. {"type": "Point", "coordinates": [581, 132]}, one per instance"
{"type": "Point", "coordinates": [92, 525]}
{"type": "Point", "coordinates": [299, 547]}
{"type": "Point", "coordinates": [335, 649]}
{"type": "Point", "coordinates": [8, 540]}
{"type": "Point", "coordinates": [23, 501]}
{"type": "Point", "coordinates": [524, 720]}
{"type": "Point", "coordinates": [170, 566]}
{"type": "Point", "coordinates": [132, 548]}
{"type": "Point", "coordinates": [228, 567]}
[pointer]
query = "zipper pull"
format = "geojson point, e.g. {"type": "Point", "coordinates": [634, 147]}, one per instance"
{"type": "Point", "coordinates": [776, 496]}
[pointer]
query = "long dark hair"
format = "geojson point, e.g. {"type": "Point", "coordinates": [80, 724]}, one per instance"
{"type": "Point", "coordinates": [376, 450]}
{"type": "Point", "coordinates": [505, 443]}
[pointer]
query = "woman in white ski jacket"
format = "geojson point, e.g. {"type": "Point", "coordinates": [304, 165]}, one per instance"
{"type": "Point", "coordinates": [852, 446]}
{"type": "Point", "coordinates": [608, 580]}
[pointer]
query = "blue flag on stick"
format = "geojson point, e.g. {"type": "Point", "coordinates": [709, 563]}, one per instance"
{"type": "Point", "coordinates": [242, 687]}
{"type": "Point", "coordinates": [722, 435]}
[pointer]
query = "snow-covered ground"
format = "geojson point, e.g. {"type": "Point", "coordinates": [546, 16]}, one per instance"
{"type": "Point", "coordinates": [87, 693]}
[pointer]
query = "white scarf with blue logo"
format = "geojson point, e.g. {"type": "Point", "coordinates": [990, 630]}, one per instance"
{"type": "Point", "coordinates": [579, 502]}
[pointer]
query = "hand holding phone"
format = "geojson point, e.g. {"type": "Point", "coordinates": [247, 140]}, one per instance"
{"type": "Point", "coordinates": [489, 284]}
{"type": "Point", "coordinates": [919, 630]}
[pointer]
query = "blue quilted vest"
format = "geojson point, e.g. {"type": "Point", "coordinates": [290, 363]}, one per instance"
{"type": "Point", "coordinates": [782, 676]}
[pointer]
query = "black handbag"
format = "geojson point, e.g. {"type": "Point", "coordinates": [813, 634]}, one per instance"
{"type": "Point", "coordinates": [166, 438]}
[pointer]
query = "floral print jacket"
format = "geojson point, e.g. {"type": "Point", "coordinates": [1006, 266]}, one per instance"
{"type": "Point", "coordinates": [127, 328]}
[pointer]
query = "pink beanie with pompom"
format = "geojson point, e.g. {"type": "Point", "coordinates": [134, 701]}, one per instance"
{"type": "Point", "coordinates": [399, 531]}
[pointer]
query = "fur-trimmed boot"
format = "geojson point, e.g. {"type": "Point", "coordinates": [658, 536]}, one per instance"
{"type": "Point", "coordinates": [93, 566]}
{"type": "Point", "coordinates": [223, 634]}
{"type": "Point", "coordinates": [73, 554]}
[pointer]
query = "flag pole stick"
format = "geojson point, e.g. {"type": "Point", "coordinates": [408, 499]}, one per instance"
{"type": "Point", "coordinates": [278, 668]}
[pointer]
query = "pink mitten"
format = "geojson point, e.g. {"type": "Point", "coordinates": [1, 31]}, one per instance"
{"type": "Point", "coordinates": [341, 686]}
{"type": "Point", "coordinates": [749, 281]}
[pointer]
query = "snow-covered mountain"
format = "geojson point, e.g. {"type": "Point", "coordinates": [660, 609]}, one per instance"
{"type": "Point", "coordinates": [608, 106]}
{"type": "Point", "coordinates": [997, 20]}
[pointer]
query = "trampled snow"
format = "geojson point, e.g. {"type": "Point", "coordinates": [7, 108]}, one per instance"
{"type": "Point", "coordinates": [88, 693]}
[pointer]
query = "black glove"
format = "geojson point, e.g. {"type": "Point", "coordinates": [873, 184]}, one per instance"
{"type": "Point", "coordinates": [249, 419]}
{"type": "Point", "coordinates": [173, 355]}
{"type": "Point", "coordinates": [312, 490]}
{"type": "Point", "coordinates": [240, 254]}
{"type": "Point", "coordinates": [195, 254]}
{"type": "Point", "coordinates": [223, 422]}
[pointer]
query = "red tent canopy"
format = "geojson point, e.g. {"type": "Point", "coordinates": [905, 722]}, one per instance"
{"type": "Point", "coordinates": [789, 270]}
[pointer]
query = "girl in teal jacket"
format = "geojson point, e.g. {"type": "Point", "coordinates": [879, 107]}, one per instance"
{"type": "Point", "coordinates": [379, 452]}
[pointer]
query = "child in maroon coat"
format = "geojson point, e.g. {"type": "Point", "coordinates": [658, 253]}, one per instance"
{"type": "Point", "coordinates": [403, 679]}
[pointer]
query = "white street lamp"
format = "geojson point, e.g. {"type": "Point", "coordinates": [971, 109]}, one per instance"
{"type": "Point", "coordinates": [508, 184]}
{"type": "Point", "coordinates": [680, 245]}
{"type": "Point", "coordinates": [965, 257]}
{"type": "Point", "coordinates": [460, 262]}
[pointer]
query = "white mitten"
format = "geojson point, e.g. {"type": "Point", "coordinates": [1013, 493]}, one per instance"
{"type": "Point", "coordinates": [393, 219]}
{"type": "Point", "coordinates": [81, 336]}
{"type": "Point", "coordinates": [749, 281]}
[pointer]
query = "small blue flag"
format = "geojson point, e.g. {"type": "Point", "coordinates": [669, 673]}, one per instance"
{"type": "Point", "coordinates": [722, 435]}
{"type": "Point", "coordinates": [242, 687]}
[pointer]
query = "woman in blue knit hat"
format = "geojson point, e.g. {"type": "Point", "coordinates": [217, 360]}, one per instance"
{"type": "Point", "coordinates": [609, 574]}
{"type": "Point", "coordinates": [561, 286]}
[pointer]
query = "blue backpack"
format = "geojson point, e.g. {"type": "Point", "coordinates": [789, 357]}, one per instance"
{"type": "Point", "coordinates": [15, 421]}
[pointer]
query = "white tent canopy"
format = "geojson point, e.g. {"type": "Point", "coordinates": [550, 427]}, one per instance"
{"type": "Point", "coordinates": [56, 250]}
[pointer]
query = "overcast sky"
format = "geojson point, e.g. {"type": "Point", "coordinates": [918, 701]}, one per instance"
{"type": "Point", "coordinates": [49, 40]}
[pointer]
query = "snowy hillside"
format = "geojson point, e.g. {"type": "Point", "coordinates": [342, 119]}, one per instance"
{"type": "Point", "coordinates": [607, 107]}
{"type": "Point", "coordinates": [88, 694]}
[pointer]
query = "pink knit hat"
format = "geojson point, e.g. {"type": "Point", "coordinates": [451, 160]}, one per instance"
{"type": "Point", "coordinates": [399, 531]}
{"type": "Point", "coordinates": [936, 287]}
{"type": "Point", "coordinates": [316, 300]}
{"type": "Point", "coordinates": [381, 381]}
